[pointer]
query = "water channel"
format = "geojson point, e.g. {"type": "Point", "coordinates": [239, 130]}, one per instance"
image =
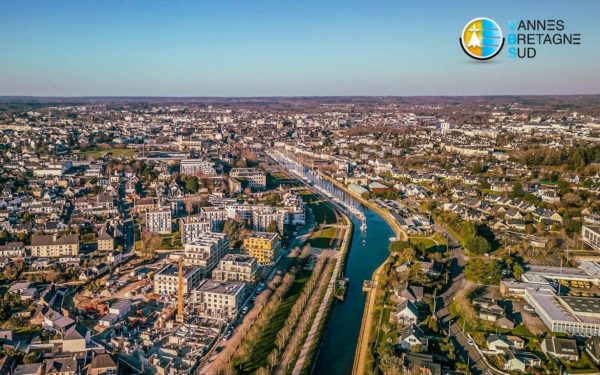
{"type": "Point", "coordinates": [368, 251]}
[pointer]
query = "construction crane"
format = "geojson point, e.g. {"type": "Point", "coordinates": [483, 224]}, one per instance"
{"type": "Point", "coordinates": [179, 316]}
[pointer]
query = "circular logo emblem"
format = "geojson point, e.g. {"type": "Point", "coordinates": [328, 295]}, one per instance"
{"type": "Point", "coordinates": [482, 38]}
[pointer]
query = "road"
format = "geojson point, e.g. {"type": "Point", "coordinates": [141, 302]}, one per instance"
{"type": "Point", "coordinates": [456, 282]}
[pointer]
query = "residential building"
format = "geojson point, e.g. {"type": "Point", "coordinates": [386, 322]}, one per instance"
{"type": "Point", "coordinates": [61, 366]}
{"type": "Point", "coordinates": [159, 221]}
{"type": "Point", "coordinates": [53, 246]}
{"type": "Point", "coordinates": [12, 250]}
{"type": "Point", "coordinates": [217, 299]}
{"type": "Point", "coordinates": [264, 246]}
{"type": "Point", "coordinates": [562, 348]}
{"type": "Point", "coordinates": [206, 251]}
{"type": "Point", "coordinates": [256, 179]}
{"type": "Point", "coordinates": [192, 227]}
{"type": "Point", "coordinates": [193, 166]}
{"type": "Point", "coordinates": [236, 267]}
{"type": "Point", "coordinates": [103, 364]}
{"type": "Point", "coordinates": [166, 280]}
{"type": "Point", "coordinates": [262, 217]}
{"type": "Point", "coordinates": [105, 241]}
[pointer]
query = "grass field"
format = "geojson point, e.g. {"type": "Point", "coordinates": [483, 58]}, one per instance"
{"type": "Point", "coordinates": [115, 152]}
{"type": "Point", "coordinates": [429, 244]}
{"type": "Point", "coordinates": [171, 241]}
{"type": "Point", "coordinates": [266, 341]}
{"type": "Point", "coordinates": [324, 214]}
{"type": "Point", "coordinates": [323, 238]}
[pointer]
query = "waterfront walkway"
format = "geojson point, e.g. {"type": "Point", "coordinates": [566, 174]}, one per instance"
{"type": "Point", "coordinates": [314, 334]}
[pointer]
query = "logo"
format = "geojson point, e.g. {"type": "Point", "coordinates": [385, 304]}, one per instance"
{"type": "Point", "coordinates": [482, 38]}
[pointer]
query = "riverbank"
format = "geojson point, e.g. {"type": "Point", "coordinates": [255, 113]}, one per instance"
{"type": "Point", "coordinates": [384, 213]}
{"type": "Point", "coordinates": [362, 346]}
{"type": "Point", "coordinates": [309, 349]}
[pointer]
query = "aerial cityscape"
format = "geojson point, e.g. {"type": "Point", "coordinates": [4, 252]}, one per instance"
{"type": "Point", "coordinates": [299, 188]}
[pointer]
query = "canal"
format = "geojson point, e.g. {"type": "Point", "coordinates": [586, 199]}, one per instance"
{"type": "Point", "coordinates": [368, 251]}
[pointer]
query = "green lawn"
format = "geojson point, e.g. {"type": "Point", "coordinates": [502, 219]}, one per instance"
{"type": "Point", "coordinates": [115, 152]}
{"type": "Point", "coordinates": [171, 241]}
{"type": "Point", "coordinates": [265, 343]}
{"type": "Point", "coordinates": [323, 238]}
{"type": "Point", "coordinates": [324, 214]}
{"type": "Point", "coordinates": [429, 244]}
{"type": "Point", "coordinates": [584, 366]}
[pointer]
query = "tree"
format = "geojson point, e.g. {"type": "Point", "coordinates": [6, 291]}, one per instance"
{"type": "Point", "coordinates": [517, 271]}
{"type": "Point", "coordinates": [483, 271]}
{"type": "Point", "coordinates": [234, 229]}
{"type": "Point", "coordinates": [432, 323]}
{"type": "Point", "coordinates": [477, 245]}
{"type": "Point", "coordinates": [273, 199]}
{"type": "Point", "coordinates": [3, 237]}
{"type": "Point", "coordinates": [390, 364]}
{"type": "Point", "coordinates": [517, 190]}
{"type": "Point", "coordinates": [467, 229]}
{"type": "Point", "coordinates": [273, 228]}
{"type": "Point", "coordinates": [191, 184]}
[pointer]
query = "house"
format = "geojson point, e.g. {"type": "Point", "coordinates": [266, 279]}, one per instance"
{"type": "Point", "coordinates": [497, 344]}
{"type": "Point", "coordinates": [504, 322]}
{"type": "Point", "coordinates": [422, 363]}
{"type": "Point", "coordinates": [513, 362]}
{"type": "Point", "coordinates": [431, 269]}
{"type": "Point", "coordinates": [520, 361]}
{"type": "Point", "coordinates": [105, 241]}
{"type": "Point", "coordinates": [103, 364]}
{"type": "Point", "coordinates": [406, 312]}
{"type": "Point", "coordinates": [412, 293]}
{"type": "Point", "coordinates": [592, 348]}
{"type": "Point", "coordinates": [561, 348]}
{"type": "Point", "coordinates": [411, 338]}
{"type": "Point", "coordinates": [491, 313]}
{"type": "Point", "coordinates": [75, 339]}
{"type": "Point", "coordinates": [61, 366]}
{"type": "Point", "coordinates": [515, 342]}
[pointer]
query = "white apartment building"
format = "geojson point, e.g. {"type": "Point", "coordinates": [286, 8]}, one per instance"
{"type": "Point", "coordinates": [159, 221]}
{"type": "Point", "coordinates": [216, 215]}
{"type": "Point", "coordinates": [263, 216]}
{"type": "Point", "coordinates": [591, 235]}
{"type": "Point", "coordinates": [218, 300]}
{"type": "Point", "coordinates": [193, 166]}
{"type": "Point", "coordinates": [192, 227]}
{"type": "Point", "coordinates": [236, 267]}
{"type": "Point", "coordinates": [166, 281]}
{"type": "Point", "coordinates": [256, 179]}
{"type": "Point", "coordinates": [206, 251]}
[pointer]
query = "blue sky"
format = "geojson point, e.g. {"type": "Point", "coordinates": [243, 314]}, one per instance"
{"type": "Point", "coordinates": [282, 48]}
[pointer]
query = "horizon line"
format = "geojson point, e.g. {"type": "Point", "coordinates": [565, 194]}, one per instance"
{"type": "Point", "coordinates": [280, 96]}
